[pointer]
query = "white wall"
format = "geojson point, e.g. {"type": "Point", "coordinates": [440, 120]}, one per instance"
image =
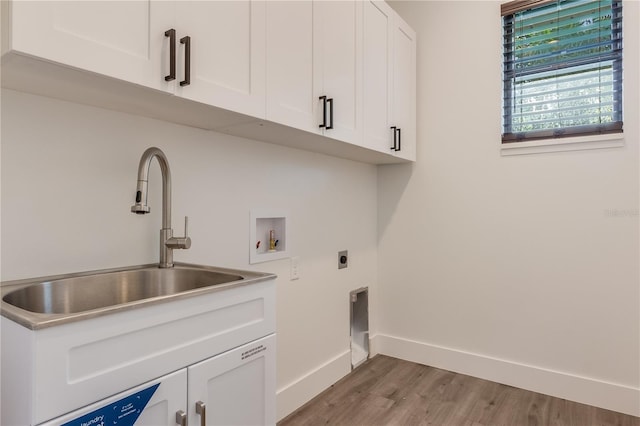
{"type": "Point", "coordinates": [68, 181]}
{"type": "Point", "coordinates": [520, 269]}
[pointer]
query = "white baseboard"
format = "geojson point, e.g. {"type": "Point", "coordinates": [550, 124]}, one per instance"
{"type": "Point", "coordinates": [296, 394]}
{"type": "Point", "coordinates": [611, 396]}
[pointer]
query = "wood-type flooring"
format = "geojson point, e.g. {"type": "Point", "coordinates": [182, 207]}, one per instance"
{"type": "Point", "coordinates": [389, 391]}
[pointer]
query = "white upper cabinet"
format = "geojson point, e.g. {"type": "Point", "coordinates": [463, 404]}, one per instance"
{"type": "Point", "coordinates": [336, 77]}
{"type": "Point", "coordinates": [337, 48]}
{"type": "Point", "coordinates": [314, 67]}
{"type": "Point", "coordinates": [227, 54]}
{"type": "Point", "coordinates": [404, 89]}
{"type": "Point", "coordinates": [377, 79]}
{"type": "Point", "coordinates": [389, 82]}
{"type": "Point", "coordinates": [124, 40]}
{"type": "Point", "coordinates": [291, 94]}
{"type": "Point", "coordinates": [220, 43]}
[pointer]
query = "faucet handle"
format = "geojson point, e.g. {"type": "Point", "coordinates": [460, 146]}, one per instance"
{"type": "Point", "coordinates": [180, 242]}
{"type": "Point", "coordinates": [185, 242]}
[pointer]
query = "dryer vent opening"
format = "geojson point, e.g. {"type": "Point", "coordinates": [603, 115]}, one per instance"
{"type": "Point", "coordinates": [359, 326]}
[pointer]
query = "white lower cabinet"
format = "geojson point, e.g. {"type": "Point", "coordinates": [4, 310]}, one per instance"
{"type": "Point", "coordinates": [236, 387]}
{"type": "Point", "coordinates": [154, 403]}
{"type": "Point", "coordinates": [223, 341]}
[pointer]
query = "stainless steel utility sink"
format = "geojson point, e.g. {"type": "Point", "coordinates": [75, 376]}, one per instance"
{"type": "Point", "coordinates": [71, 295]}
{"type": "Point", "coordinates": [44, 301]}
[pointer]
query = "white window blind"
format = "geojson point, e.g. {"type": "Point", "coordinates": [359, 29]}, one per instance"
{"type": "Point", "coordinates": [562, 68]}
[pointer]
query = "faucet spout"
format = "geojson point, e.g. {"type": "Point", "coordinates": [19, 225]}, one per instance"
{"type": "Point", "coordinates": [167, 242]}
{"type": "Point", "coordinates": [141, 206]}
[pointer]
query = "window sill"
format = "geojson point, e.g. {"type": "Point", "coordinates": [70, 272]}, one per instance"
{"type": "Point", "coordinates": [577, 143]}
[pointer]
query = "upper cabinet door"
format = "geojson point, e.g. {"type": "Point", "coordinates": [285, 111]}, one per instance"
{"type": "Point", "coordinates": [389, 82]}
{"type": "Point", "coordinates": [291, 95]}
{"type": "Point", "coordinates": [378, 23]}
{"type": "Point", "coordinates": [227, 54]}
{"type": "Point", "coordinates": [338, 66]}
{"type": "Point", "coordinates": [313, 51]}
{"type": "Point", "coordinates": [404, 88]}
{"type": "Point", "coordinates": [124, 40]}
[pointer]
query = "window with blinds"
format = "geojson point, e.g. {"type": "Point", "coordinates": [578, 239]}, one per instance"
{"type": "Point", "coordinates": [562, 68]}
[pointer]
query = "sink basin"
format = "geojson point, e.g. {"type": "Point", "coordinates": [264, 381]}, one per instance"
{"type": "Point", "coordinates": [81, 294]}
{"type": "Point", "coordinates": [84, 295]}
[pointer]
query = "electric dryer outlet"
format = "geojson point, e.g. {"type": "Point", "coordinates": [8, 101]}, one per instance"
{"type": "Point", "coordinates": [343, 259]}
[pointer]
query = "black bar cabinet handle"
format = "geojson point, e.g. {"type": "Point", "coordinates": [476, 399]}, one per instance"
{"type": "Point", "coordinates": [330, 102]}
{"type": "Point", "coordinates": [399, 139]}
{"type": "Point", "coordinates": [172, 54]}
{"type": "Point", "coordinates": [393, 148]}
{"type": "Point", "coordinates": [186, 40]}
{"type": "Point", "coordinates": [324, 111]}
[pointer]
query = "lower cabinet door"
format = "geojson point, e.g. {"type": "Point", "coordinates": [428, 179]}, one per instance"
{"type": "Point", "coordinates": [237, 387]}
{"type": "Point", "coordinates": [154, 403]}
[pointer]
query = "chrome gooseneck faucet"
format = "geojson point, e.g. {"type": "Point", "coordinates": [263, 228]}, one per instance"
{"type": "Point", "coordinates": [167, 241]}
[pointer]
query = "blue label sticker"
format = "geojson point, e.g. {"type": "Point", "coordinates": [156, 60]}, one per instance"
{"type": "Point", "coordinates": [124, 412]}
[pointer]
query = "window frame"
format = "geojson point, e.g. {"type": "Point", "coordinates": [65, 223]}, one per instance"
{"type": "Point", "coordinates": [508, 11]}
